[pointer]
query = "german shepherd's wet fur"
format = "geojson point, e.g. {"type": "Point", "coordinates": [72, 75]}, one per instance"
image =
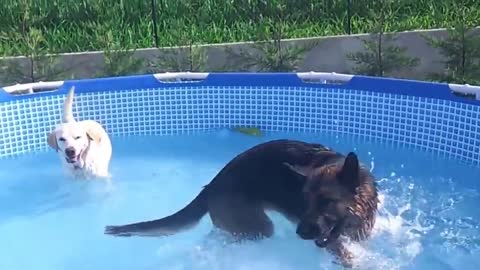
{"type": "Point", "coordinates": [324, 192]}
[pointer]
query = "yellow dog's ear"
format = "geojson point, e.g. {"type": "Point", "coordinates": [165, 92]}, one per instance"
{"type": "Point", "coordinates": [94, 135]}
{"type": "Point", "coordinates": [52, 141]}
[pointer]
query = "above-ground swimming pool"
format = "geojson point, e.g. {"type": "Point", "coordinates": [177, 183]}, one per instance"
{"type": "Point", "coordinates": [171, 137]}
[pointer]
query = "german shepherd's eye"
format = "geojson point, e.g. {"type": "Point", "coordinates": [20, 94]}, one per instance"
{"type": "Point", "coordinates": [78, 137]}
{"type": "Point", "coordinates": [61, 139]}
{"type": "Point", "coordinates": [323, 203]}
{"type": "Point", "coordinates": [330, 218]}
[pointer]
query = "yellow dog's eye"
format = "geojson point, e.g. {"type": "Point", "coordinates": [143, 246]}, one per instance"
{"type": "Point", "coordinates": [62, 139]}
{"type": "Point", "coordinates": [78, 137]}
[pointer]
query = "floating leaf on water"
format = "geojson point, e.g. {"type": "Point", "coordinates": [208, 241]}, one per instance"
{"type": "Point", "coordinates": [252, 131]}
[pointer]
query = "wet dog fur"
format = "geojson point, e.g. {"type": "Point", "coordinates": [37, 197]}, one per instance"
{"type": "Point", "coordinates": [324, 192]}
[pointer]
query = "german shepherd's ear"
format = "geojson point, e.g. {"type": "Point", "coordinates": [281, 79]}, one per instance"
{"type": "Point", "coordinates": [299, 171]}
{"type": "Point", "coordinates": [349, 174]}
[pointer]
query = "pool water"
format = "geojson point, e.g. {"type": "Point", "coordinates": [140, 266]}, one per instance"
{"type": "Point", "coordinates": [429, 216]}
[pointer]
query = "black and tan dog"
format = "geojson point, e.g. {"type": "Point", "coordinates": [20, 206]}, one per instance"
{"type": "Point", "coordinates": [325, 193]}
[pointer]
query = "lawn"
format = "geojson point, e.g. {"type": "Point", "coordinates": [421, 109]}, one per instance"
{"type": "Point", "coordinates": [86, 25]}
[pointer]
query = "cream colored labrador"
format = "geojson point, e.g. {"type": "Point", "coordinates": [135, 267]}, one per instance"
{"type": "Point", "coordinates": [84, 147]}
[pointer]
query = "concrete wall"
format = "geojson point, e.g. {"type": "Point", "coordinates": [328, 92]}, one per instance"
{"type": "Point", "coordinates": [329, 55]}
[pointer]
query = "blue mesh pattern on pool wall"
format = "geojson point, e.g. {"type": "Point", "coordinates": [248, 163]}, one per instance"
{"type": "Point", "coordinates": [392, 110]}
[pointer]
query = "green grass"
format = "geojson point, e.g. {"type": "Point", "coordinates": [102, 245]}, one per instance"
{"type": "Point", "coordinates": [81, 25]}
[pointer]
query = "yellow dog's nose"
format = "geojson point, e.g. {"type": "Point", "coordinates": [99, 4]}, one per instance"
{"type": "Point", "coordinates": [70, 152]}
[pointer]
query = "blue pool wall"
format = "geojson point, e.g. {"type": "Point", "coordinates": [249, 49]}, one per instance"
{"type": "Point", "coordinates": [421, 115]}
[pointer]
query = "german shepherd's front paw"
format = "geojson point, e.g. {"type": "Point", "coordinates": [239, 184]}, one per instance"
{"type": "Point", "coordinates": [117, 231]}
{"type": "Point", "coordinates": [343, 256]}
{"type": "Point", "coordinates": [346, 262]}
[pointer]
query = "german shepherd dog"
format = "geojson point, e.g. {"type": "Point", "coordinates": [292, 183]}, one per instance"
{"type": "Point", "coordinates": [324, 192]}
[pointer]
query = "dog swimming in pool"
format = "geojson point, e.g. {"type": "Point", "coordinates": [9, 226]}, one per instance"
{"type": "Point", "coordinates": [328, 196]}
{"type": "Point", "coordinates": [84, 147]}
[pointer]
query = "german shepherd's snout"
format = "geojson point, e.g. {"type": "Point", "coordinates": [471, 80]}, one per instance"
{"type": "Point", "coordinates": [307, 230]}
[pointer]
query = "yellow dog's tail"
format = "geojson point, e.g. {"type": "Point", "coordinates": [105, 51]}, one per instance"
{"type": "Point", "coordinates": [68, 107]}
